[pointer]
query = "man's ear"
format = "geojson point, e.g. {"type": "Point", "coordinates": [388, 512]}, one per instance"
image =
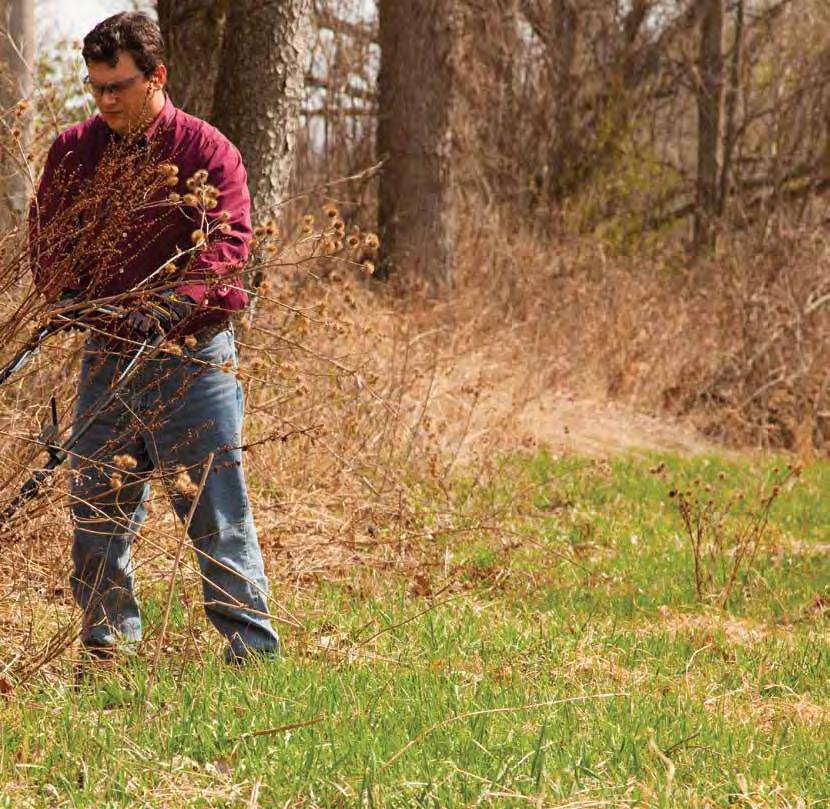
{"type": "Point", "coordinates": [159, 77]}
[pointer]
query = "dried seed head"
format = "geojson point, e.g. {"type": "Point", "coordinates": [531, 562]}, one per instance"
{"type": "Point", "coordinates": [190, 341]}
{"type": "Point", "coordinates": [124, 462]}
{"type": "Point", "coordinates": [173, 348]}
{"type": "Point", "coordinates": [174, 198]}
{"type": "Point", "coordinates": [353, 241]}
{"type": "Point", "coordinates": [198, 237]}
{"type": "Point", "coordinates": [167, 169]}
{"type": "Point", "coordinates": [116, 481]}
{"type": "Point", "coordinates": [372, 241]}
{"type": "Point", "coordinates": [183, 484]}
{"type": "Point", "coordinates": [191, 199]}
{"type": "Point", "coordinates": [368, 268]}
{"type": "Point", "coordinates": [308, 219]}
{"type": "Point", "coordinates": [224, 216]}
{"type": "Point", "coordinates": [209, 197]}
{"type": "Point", "coordinates": [201, 176]}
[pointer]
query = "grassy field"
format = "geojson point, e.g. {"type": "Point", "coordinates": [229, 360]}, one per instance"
{"type": "Point", "coordinates": [534, 638]}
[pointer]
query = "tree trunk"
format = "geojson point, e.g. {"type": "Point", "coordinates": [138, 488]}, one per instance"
{"type": "Point", "coordinates": [485, 99]}
{"type": "Point", "coordinates": [731, 107]}
{"type": "Point", "coordinates": [259, 90]}
{"type": "Point", "coordinates": [709, 104]}
{"type": "Point", "coordinates": [563, 154]}
{"type": "Point", "coordinates": [416, 87]}
{"type": "Point", "coordinates": [17, 57]}
{"type": "Point", "coordinates": [193, 32]}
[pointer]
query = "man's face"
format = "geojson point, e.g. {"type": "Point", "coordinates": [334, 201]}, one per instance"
{"type": "Point", "coordinates": [126, 98]}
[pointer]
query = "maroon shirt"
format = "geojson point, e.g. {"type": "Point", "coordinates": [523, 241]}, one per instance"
{"type": "Point", "coordinates": [102, 224]}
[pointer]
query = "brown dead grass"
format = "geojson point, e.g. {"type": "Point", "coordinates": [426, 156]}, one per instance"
{"type": "Point", "coordinates": [738, 631]}
{"type": "Point", "coordinates": [736, 345]}
{"type": "Point", "coordinates": [771, 712]}
{"type": "Point", "coordinates": [359, 397]}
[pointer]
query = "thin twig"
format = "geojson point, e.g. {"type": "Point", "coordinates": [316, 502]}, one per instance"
{"type": "Point", "coordinates": [511, 709]}
{"type": "Point", "coordinates": [255, 734]}
{"type": "Point", "coordinates": [411, 618]}
{"type": "Point", "coordinates": [172, 584]}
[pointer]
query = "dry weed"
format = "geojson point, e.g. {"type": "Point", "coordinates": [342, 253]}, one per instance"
{"type": "Point", "coordinates": [737, 345]}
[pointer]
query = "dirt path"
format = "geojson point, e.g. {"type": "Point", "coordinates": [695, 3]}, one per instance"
{"type": "Point", "coordinates": [484, 403]}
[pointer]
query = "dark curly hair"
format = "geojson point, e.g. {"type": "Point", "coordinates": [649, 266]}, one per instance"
{"type": "Point", "coordinates": [132, 32]}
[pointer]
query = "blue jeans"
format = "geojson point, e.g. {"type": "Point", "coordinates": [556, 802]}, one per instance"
{"type": "Point", "coordinates": [170, 416]}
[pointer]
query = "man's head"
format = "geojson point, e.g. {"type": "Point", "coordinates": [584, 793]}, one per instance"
{"type": "Point", "coordinates": [124, 56]}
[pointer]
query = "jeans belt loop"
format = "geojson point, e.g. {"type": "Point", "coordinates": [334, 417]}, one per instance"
{"type": "Point", "coordinates": [207, 333]}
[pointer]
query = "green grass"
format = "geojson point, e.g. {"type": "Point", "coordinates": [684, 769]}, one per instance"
{"type": "Point", "coordinates": [564, 660]}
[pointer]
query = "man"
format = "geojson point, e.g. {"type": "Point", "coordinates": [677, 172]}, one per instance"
{"type": "Point", "coordinates": [147, 208]}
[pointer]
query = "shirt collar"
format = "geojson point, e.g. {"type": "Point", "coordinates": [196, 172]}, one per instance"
{"type": "Point", "coordinates": [165, 117]}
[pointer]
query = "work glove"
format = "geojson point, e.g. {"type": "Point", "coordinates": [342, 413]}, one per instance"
{"type": "Point", "coordinates": [55, 313]}
{"type": "Point", "coordinates": [159, 314]}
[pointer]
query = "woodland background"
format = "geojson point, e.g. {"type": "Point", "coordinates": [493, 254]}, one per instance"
{"type": "Point", "coordinates": [634, 190]}
{"type": "Point", "coordinates": [498, 241]}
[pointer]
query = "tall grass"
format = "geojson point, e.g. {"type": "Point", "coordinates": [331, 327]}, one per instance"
{"type": "Point", "coordinates": [560, 660]}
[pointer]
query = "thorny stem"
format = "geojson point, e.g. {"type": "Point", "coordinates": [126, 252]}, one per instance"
{"type": "Point", "coordinates": [172, 583]}
{"type": "Point", "coordinates": [710, 559]}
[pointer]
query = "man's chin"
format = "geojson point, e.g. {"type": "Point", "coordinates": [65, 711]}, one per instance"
{"type": "Point", "coordinates": [116, 122]}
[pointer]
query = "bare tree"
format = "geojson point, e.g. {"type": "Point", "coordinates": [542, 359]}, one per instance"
{"type": "Point", "coordinates": [415, 136]}
{"type": "Point", "coordinates": [17, 55]}
{"type": "Point", "coordinates": [260, 88]}
{"type": "Point", "coordinates": [485, 104]}
{"type": "Point", "coordinates": [592, 70]}
{"type": "Point", "coordinates": [193, 32]}
{"type": "Point", "coordinates": [732, 92]}
{"type": "Point", "coordinates": [563, 152]}
{"type": "Point", "coordinates": [709, 106]}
